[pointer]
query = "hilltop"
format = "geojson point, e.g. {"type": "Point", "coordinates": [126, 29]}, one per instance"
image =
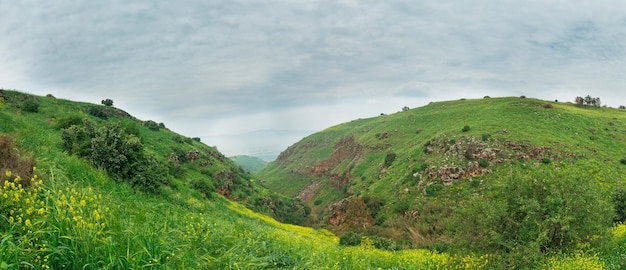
{"type": "Point", "coordinates": [464, 175]}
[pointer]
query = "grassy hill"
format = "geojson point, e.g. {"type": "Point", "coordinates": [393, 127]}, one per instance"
{"type": "Point", "coordinates": [63, 207]}
{"type": "Point", "coordinates": [516, 178]}
{"type": "Point", "coordinates": [248, 163]}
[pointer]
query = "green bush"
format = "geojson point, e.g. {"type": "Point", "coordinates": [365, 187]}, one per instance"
{"type": "Point", "coordinates": [389, 159]}
{"type": "Point", "coordinates": [466, 128]}
{"type": "Point", "coordinates": [623, 161]}
{"type": "Point", "coordinates": [204, 186]}
{"type": "Point", "coordinates": [107, 102]}
{"type": "Point", "coordinates": [528, 217]}
{"type": "Point", "coordinates": [97, 112]}
{"type": "Point", "coordinates": [619, 204]}
{"type": "Point", "coordinates": [30, 106]}
{"type": "Point", "coordinates": [151, 125]}
{"type": "Point", "coordinates": [68, 121]}
{"type": "Point", "coordinates": [350, 239]}
{"type": "Point", "coordinates": [485, 137]}
{"type": "Point", "coordinates": [121, 155]}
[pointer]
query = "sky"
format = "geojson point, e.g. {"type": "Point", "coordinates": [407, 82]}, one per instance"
{"type": "Point", "coordinates": [253, 77]}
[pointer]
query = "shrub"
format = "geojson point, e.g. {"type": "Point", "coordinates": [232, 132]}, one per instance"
{"type": "Point", "coordinates": [623, 161]}
{"type": "Point", "coordinates": [486, 97]}
{"type": "Point", "coordinates": [107, 102]}
{"type": "Point", "coordinates": [30, 106]}
{"type": "Point", "coordinates": [522, 96]}
{"type": "Point", "coordinates": [466, 128]}
{"type": "Point", "coordinates": [151, 125]}
{"type": "Point", "coordinates": [483, 163]}
{"type": "Point", "coordinates": [548, 106]}
{"type": "Point", "coordinates": [485, 137]}
{"type": "Point", "coordinates": [178, 139]}
{"type": "Point", "coordinates": [527, 217]}
{"type": "Point", "coordinates": [546, 160]}
{"type": "Point", "coordinates": [68, 121]}
{"type": "Point", "coordinates": [204, 186]}
{"type": "Point", "coordinates": [197, 139]}
{"type": "Point", "coordinates": [401, 207]}
{"type": "Point", "coordinates": [389, 159]}
{"type": "Point", "coordinates": [121, 155]}
{"type": "Point", "coordinates": [622, 107]}
{"type": "Point", "coordinates": [350, 239]}
{"type": "Point", "coordinates": [97, 112]}
{"type": "Point", "coordinates": [619, 204]}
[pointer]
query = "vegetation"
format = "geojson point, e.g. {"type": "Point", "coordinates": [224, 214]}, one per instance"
{"type": "Point", "coordinates": [528, 185]}
{"type": "Point", "coordinates": [61, 210]}
{"type": "Point", "coordinates": [107, 102]}
{"type": "Point", "coordinates": [248, 163]}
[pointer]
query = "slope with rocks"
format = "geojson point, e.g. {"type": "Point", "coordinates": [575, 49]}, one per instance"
{"type": "Point", "coordinates": [409, 176]}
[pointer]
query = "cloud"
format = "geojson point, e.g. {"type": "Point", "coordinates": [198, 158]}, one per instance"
{"type": "Point", "coordinates": [220, 67]}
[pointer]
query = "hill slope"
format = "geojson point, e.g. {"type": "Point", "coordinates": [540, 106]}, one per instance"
{"type": "Point", "coordinates": [63, 209]}
{"type": "Point", "coordinates": [248, 163]}
{"type": "Point", "coordinates": [419, 175]}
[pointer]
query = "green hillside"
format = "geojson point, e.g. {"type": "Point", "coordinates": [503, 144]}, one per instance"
{"type": "Point", "coordinates": [84, 186]}
{"type": "Point", "coordinates": [516, 178]}
{"type": "Point", "coordinates": [248, 163]}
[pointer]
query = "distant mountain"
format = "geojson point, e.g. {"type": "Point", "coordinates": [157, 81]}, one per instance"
{"type": "Point", "coordinates": [249, 163]}
{"type": "Point", "coordinates": [265, 144]}
{"type": "Point", "coordinates": [495, 174]}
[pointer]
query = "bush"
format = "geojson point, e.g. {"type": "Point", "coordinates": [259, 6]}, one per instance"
{"type": "Point", "coordinates": [548, 106]}
{"type": "Point", "coordinates": [68, 121]}
{"type": "Point", "coordinates": [178, 139]}
{"type": "Point", "coordinates": [121, 155]}
{"type": "Point", "coordinates": [151, 125]}
{"type": "Point", "coordinates": [107, 102]}
{"type": "Point", "coordinates": [486, 97]}
{"type": "Point", "coordinates": [389, 159]}
{"type": "Point", "coordinates": [97, 112]}
{"type": "Point", "coordinates": [483, 163]}
{"type": "Point", "coordinates": [526, 217]}
{"type": "Point", "coordinates": [30, 106]}
{"type": "Point", "coordinates": [522, 96]}
{"type": "Point", "coordinates": [486, 137]}
{"type": "Point", "coordinates": [619, 204]}
{"type": "Point", "coordinates": [623, 161]}
{"type": "Point", "coordinates": [350, 239]}
{"type": "Point", "coordinates": [466, 128]}
{"type": "Point", "coordinates": [204, 186]}
{"type": "Point", "coordinates": [197, 139]}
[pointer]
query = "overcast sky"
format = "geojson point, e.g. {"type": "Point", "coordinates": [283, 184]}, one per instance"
{"type": "Point", "coordinates": [212, 69]}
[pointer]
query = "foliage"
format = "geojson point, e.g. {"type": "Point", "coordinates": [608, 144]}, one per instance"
{"type": "Point", "coordinates": [97, 112]}
{"type": "Point", "coordinates": [527, 217]}
{"type": "Point", "coordinates": [389, 159]}
{"type": "Point", "coordinates": [120, 154]}
{"type": "Point", "coordinates": [68, 121]}
{"type": "Point", "coordinates": [588, 101]}
{"type": "Point", "coordinates": [205, 187]}
{"type": "Point", "coordinates": [30, 106]}
{"type": "Point", "coordinates": [151, 125]}
{"type": "Point", "coordinates": [466, 128]}
{"type": "Point", "coordinates": [619, 204]}
{"type": "Point", "coordinates": [107, 102]}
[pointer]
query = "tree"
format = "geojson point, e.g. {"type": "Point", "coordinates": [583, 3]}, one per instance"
{"type": "Point", "coordinates": [579, 101]}
{"type": "Point", "coordinates": [107, 102]}
{"type": "Point", "coordinates": [588, 100]}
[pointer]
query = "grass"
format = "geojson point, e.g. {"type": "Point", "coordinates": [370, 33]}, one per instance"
{"type": "Point", "coordinates": [590, 139]}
